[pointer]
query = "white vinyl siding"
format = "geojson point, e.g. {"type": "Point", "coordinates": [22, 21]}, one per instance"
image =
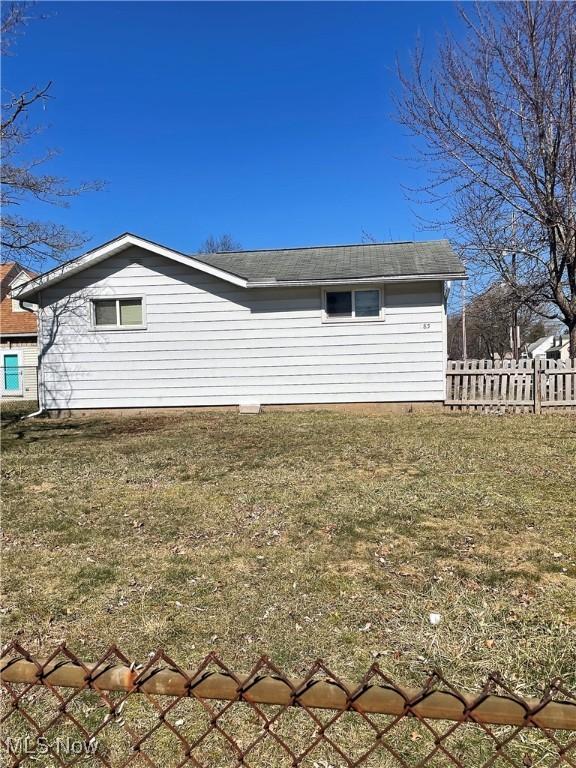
{"type": "Point", "coordinates": [208, 342]}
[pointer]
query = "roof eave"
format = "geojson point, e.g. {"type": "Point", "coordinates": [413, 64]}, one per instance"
{"type": "Point", "coordinates": [62, 272]}
{"type": "Point", "coordinates": [354, 280]}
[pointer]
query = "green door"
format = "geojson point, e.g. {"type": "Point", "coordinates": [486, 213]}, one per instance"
{"type": "Point", "coordinates": [11, 373]}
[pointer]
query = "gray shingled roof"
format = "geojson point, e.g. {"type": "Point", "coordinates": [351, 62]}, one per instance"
{"type": "Point", "coordinates": [341, 262]}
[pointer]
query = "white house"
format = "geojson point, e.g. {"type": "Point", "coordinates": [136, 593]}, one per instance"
{"type": "Point", "coordinates": [537, 349]}
{"type": "Point", "coordinates": [551, 347]}
{"type": "Point", "coordinates": [560, 349]}
{"type": "Point", "coordinates": [136, 324]}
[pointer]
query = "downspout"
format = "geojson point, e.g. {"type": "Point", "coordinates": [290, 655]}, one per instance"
{"type": "Point", "coordinates": [41, 409]}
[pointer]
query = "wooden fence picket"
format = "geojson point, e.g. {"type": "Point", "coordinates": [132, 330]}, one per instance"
{"type": "Point", "coordinates": [521, 386]}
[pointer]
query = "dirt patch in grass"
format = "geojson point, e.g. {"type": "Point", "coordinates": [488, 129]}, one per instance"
{"type": "Point", "coordinates": [301, 535]}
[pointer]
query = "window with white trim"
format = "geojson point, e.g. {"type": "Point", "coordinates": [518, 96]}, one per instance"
{"type": "Point", "coordinates": [118, 313]}
{"type": "Point", "coordinates": [353, 304]}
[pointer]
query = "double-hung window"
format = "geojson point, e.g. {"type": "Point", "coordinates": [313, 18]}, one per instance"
{"type": "Point", "coordinates": [118, 313]}
{"type": "Point", "coordinates": [353, 304]}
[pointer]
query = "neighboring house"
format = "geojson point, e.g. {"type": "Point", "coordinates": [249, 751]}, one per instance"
{"type": "Point", "coordinates": [560, 349]}
{"type": "Point", "coordinates": [135, 324]}
{"type": "Point", "coordinates": [18, 337]}
{"type": "Point", "coordinates": [538, 349]}
{"type": "Point", "coordinates": [551, 347]}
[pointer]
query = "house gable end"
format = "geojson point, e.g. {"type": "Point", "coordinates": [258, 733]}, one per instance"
{"type": "Point", "coordinates": [13, 320]}
{"type": "Point", "coordinates": [107, 251]}
{"type": "Point", "coordinates": [7, 274]}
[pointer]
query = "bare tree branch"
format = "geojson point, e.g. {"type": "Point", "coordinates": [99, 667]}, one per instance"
{"type": "Point", "coordinates": [219, 244]}
{"type": "Point", "coordinates": [31, 242]}
{"type": "Point", "coordinates": [496, 124]}
{"type": "Point", "coordinates": [488, 325]}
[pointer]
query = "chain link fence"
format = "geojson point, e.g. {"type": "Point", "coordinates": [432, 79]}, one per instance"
{"type": "Point", "coordinates": [61, 711]}
{"type": "Point", "coordinates": [18, 383]}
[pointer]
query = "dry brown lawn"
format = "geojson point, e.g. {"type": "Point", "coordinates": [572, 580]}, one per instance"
{"type": "Point", "coordinates": [300, 535]}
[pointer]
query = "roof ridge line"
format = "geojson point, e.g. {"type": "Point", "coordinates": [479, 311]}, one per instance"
{"type": "Point", "coordinates": [315, 247]}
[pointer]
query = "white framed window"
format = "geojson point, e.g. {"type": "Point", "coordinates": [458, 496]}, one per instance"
{"type": "Point", "coordinates": [352, 304]}
{"type": "Point", "coordinates": [122, 313]}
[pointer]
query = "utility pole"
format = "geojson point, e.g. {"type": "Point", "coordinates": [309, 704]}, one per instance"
{"type": "Point", "coordinates": [514, 327]}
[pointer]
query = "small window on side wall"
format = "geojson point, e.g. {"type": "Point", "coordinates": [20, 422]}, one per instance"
{"type": "Point", "coordinates": [117, 313]}
{"type": "Point", "coordinates": [354, 304]}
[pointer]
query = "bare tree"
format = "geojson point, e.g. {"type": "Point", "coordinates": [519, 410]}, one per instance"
{"type": "Point", "coordinates": [30, 242]}
{"type": "Point", "coordinates": [368, 237]}
{"type": "Point", "coordinates": [13, 19]}
{"type": "Point", "coordinates": [219, 244]}
{"type": "Point", "coordinates": [496, 121]}
{"type": "Point", "coordinates": [489, 326]}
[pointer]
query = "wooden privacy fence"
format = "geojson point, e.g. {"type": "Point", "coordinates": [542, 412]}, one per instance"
{"type": "Point", "coordinates": [511, 385]}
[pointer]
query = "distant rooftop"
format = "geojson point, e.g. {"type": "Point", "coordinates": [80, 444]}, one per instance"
{"type": "Point", "coordinates": [339, 262]}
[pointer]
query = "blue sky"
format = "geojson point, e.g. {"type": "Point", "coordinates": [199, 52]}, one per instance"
{"type": "Point", "coordinates": [271, 121]}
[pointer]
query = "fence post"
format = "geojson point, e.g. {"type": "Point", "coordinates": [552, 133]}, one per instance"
{"type": "Point", "coordinates": [537, 387]}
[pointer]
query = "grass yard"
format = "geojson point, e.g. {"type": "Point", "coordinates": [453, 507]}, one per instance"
{"type": "Point", "coordinates": [300, 535]}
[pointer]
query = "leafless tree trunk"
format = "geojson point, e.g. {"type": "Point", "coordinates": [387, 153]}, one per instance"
{"type": "Point", "coordinates": [496, 117]}
{"type": "Point", "coordinates": [31, 243]}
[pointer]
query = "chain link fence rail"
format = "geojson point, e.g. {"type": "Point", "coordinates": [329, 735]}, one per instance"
{"type": "Point", "coordinates": [18, 383]}
{"type": "Point", "coordinates": [61, 711]}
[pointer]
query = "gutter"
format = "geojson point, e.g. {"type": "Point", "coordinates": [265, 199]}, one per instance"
{"type": "Point", "coordinates": [273, 283]}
